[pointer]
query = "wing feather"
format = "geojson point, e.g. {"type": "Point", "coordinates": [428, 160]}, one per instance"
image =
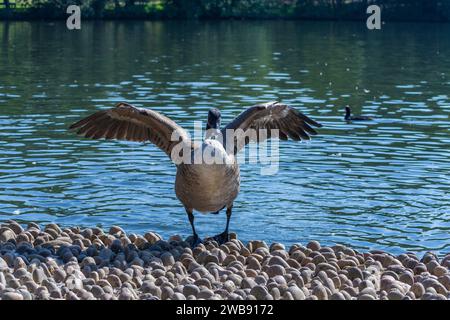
{"type": "Point", "coordinates": [110, 132]}
{"type": "Point", "coordinates": [126, 122]}
{"type": "Point", "coordinates": [290, 122]}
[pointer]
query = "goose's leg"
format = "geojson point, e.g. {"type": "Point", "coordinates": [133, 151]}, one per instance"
{"type": "Point", "coordinates": [196, 240]}
{"type": "Point", "coordinates": [224, 236]}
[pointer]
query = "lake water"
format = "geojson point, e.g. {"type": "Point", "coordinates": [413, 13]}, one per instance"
{"type": "Point", "coordinates": [373, 185]}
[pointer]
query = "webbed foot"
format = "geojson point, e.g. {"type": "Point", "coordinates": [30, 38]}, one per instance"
{"type": "Point", "coordinates": [222, 238]}
{"type": "Point", "coordinates": [195, 241]}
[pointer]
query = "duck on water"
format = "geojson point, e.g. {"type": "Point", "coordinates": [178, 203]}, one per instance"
{"type": "Point", "coordinates": [349, 117]}
{"type": "Point", "coordinates": [204, 187]}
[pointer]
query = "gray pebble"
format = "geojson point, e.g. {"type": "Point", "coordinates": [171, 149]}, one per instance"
{"type": "Point", "coordinates": [190, 289]}
{"type": "Point", "coordinates": [125, 294]}
{"type": "Point", "coordinates": [205, 294]}
{"type": "Point", "coordinates": [12, 296]}
{"type": "Point", "coordinates": [167, 259]}
{"type": "Point", "coordinates": [337, 296]}
{"type": "Point", "coordinates": [395, 295]}
{"type": "Point", "coordinates": [275, 270]}
{"type": "Point", "coordinates": [248, 283]}
{"type": "Point", "coordinates": [178, 296]}
{"type": "Point", "coordinates": [313, 245]}
{"type": "Point", "coordinates": [354, 273]}
{"type": "Point", "coordinates": [320, 292]}
{"type": "Point", "coordinates": [296, 292]}
{"type": "Point", "coordinates": [259, 292]}
{"type": "Point", "coordinates": [39, 275]}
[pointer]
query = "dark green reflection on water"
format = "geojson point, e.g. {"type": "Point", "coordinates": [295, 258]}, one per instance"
{"type": "Point", "coordinates": [382, 184]}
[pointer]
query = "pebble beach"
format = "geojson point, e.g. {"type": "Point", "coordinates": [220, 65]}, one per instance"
{"type": "Point", "coordinates": [53, 263]}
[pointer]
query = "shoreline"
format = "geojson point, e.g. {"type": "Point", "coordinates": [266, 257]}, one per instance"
{"type": "Point", "coordinates": [19, 18]}
{"type": "Point", "coordinates": [51, 263]}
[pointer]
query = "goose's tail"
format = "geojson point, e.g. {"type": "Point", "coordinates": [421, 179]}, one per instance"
{"type": "Point", "coordinates": [217, 212]}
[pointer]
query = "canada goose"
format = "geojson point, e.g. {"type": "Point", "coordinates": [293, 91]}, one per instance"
{"type": "Point", "coordinates": [349, 117]}
{"type": "Point", "coordinates": [199, 186]}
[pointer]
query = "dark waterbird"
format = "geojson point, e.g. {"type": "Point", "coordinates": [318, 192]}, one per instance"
{"type": "Point", "coordinates": [205, 187]}
{"type": "Point", "coordinates": [349, 117]}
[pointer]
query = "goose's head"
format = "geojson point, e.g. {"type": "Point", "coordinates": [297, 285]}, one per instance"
{"type": "Point", "coordinates": [348, 112]}
{"type": "Point", "coordinates": [213, 124]}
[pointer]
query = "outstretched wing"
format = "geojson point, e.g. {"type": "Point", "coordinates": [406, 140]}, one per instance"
{"type": "Point", "coordinates": [272, 115]}
{"type": "Point", "coordinates": [126, 122]}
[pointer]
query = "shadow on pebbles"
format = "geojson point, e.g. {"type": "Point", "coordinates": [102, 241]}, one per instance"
{"type": "Point", "coordinates": [72, 263]}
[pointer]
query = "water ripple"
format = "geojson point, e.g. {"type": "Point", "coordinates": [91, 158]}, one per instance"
{"type": "Point", "coordinates": [380, 184]}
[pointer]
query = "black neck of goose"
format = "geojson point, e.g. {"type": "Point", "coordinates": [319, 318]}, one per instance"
{"type": "Point", "coordinates": [213, 123]}
{"type": "Point", "coordinates": [347, 113]}
{"type": "Point", "coordinates": [213, 126]}
{"type": "Point", "coordinates": [212, 130]}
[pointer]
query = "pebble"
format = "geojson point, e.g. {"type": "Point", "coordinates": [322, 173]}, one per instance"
{"type": "Point", "coordinates": [85, 264]}
{"type": "Point", "coordinates": [12, 296]}
{"type": "Point", "coordinates": [275, 270]}
{"type": "Point", "coordinates": [418, 290]}
{"type": "Point", "coordinates": [3, 264]}
{"type": "Point", "coordinates": [59, 275]}
{"type": "Point", "coordinates": [407, 278]}
{"type": "Point", "coordinates": [178, 296]}
{"type": "Point", "coordinates": [167, 259]}
{"type": "Point", "coordinates": [395, 295]}
{"type": "Point", "coordinates": [39, 275]}
{"type": "Point", "coordinates": [369, 291]}
{"type": "Point", "coordinates": [296, 293]}
{"type": "Point", "coordinates": [278, 261]}
{"type": "Point", "coordinates": [7, 235]}
{"type": "Point", "coordinates": [320, 292]}
{"type": "Point", "coordinates": [440, 271]}
{"type": "Point", "coordinates": [313, 245]}
{"type": "Point", "coordinates": [191, 289]}
{"type": "Point", "coordinates": [248, 283]}
{"type": "Point", "coordinates": [205, 294]}
{"type": "Point", "coordinates": [259, 292]}
{"type": "Point", "coordinates": [354, 273]}
{"type": "Point", "coordinates": [125, 294]}
{"type": "Point", "coordinates": [337, 296]}
{"type": "Point", "coordinates": [166, 293]}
